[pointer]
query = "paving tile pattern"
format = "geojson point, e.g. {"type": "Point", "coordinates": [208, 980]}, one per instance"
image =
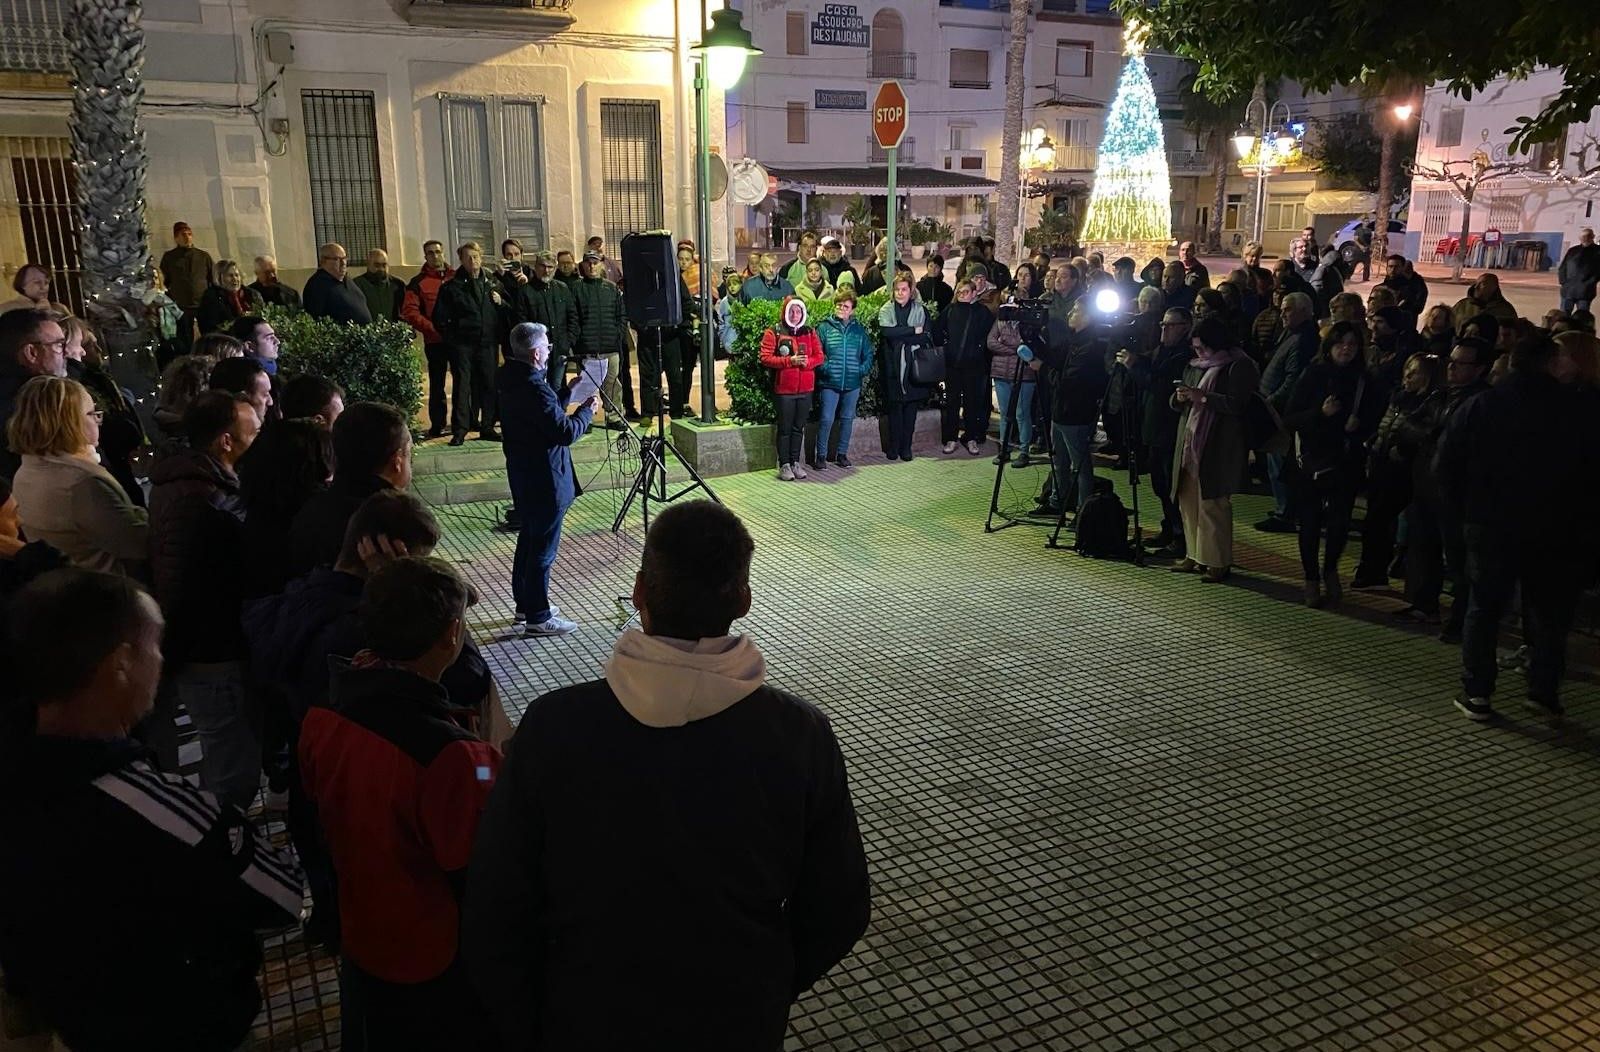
{"type": "Point", "coordinates": [1108, 807]}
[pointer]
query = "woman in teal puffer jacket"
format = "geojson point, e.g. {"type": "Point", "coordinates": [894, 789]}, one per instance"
{"type": "Point", "coordinates": [847, 355]}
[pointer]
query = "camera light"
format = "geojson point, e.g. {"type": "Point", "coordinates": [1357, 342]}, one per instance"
{"type": "Point", "coordinates": [1106, 301]}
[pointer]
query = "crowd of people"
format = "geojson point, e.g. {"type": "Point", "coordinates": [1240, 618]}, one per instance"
{"type": "Point", "coordinates": [251, 558]}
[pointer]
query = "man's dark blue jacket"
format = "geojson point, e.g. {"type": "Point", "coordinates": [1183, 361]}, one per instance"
{"type": "Point", "coordinates": [538, 436]}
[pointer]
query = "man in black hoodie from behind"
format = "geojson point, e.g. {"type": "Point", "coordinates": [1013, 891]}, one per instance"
{"type": "Point", "coordinates": [372, 452]}
{"type": "Point", "coordinates": [670, 856]}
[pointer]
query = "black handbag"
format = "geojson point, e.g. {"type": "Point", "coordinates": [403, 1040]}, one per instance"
{"type": "Point", "coordinates": [927, 363]}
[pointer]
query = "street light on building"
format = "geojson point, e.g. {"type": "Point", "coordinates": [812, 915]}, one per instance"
{"type": "Point", "coordinates": [1038, 154]}
{"type": "Point", "coordinates": [720, 58]}
{"type": "Point", "coordinates": [1272, 143]}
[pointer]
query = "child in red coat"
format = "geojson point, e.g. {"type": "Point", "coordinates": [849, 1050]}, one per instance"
{"type": "Point", "coordinates": [793, 352]}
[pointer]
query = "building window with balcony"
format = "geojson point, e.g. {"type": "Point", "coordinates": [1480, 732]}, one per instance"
{"type": "Point", "coordinates": [797, 122]}
{"type": "Point", "coordinates": [1074, 58]}
{"type": "Point", "coordinates": [1450, 126]}
{"type": "Point", "coordinates": [969, 68]}
{"type": "Point", "coordinates": [889, 55]}
{"type": "Point", "coordinates": [630, 166]}
{"type": "Point", "coordinates": [1075, 145]}
{"type": "Point", "coordinates": [342, 163]}
{"type": "Point", "coordinates": [494, 169]}
{"type": "Point", "coordinates": [796, 41]}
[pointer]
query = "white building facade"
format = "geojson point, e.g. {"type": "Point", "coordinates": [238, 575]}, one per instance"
{"type": "Point", "coordinates": [1535, 214]}
{"type": "Point", "coordinates": [275, 125]}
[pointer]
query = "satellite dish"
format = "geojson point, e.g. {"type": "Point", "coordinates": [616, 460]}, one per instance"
{"type": "Point", "coordinates": [749, 182]}
{"type": "Point", "coordinates": [719, 177]}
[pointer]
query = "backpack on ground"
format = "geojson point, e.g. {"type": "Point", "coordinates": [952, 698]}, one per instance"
{"type": "Point", "coordinates": [1102, 526]}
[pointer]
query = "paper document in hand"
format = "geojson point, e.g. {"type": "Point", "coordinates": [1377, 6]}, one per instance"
{"type": "Point", "coordinates": [591, 374]}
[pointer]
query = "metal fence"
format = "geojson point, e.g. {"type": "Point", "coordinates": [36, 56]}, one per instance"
{"type": "Point", "coordinates": [31, 39]}
{"type": "Point", "coordinates": [39, 220]}
{"type": "Point", "coordinates": [907, 151]}
{"type": "Point", "coordinates": [630, 166]}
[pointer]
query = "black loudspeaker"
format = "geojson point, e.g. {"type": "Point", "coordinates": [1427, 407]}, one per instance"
{"type": "Point", "coordinates": [651, 283]}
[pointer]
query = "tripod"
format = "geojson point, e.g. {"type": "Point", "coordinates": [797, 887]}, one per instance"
{"type": "Point", "coordinates": [653, 452]}
{"type": "Point", "coordinates": [1131, 408]}
{"type": "Point", "coordinates": [1008, 413]}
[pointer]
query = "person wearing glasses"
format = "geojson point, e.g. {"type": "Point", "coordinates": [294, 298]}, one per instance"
{"type": "Point", "coordinates": [64, 497]}
{"type": "Point", "coordinates": [329, 293]}
{"type": "Point", "coordinates": [32, 343]}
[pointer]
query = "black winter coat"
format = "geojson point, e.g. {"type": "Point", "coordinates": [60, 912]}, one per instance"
{"type": "Point", "coordinates": [602, 321]}
{"type": "Point", "coordinates": [197, 557]}
{"type": "Point", "coordinates": [713, 871]}
{"type": "Point", "coordinates": [1158, 377]}
{"type": "Point", "coordinates": [130, 905]}
{"type": "Point", "coordinates": [964, 329]}
{"type": "Point", "coordinates": [548, 303]}
{"type": "Point", "coordinates": [466, 314]}
{"type": "Point", "coordinates": [317, 533]}
{"type": "Point", "coordinates": [1580, 272]}
{"type": "Point", "coordinates": [1079, 379]}
{"type": "Point", "coordinates": [1322, 443]}
{"type": "Point", "coordinates": [894, 364]}
{"type": "Point", "coordinates": [326, 297]}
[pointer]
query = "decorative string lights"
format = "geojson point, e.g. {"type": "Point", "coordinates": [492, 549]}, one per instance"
{"type": "Point", "coordinates": [1132, 196]}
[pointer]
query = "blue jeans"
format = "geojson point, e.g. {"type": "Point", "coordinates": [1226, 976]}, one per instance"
{"type": "Point", "coordinates": [1570, 305]}
{"type": "Point", "coordinates": [1072, 458]}
{"type": "Point", "coordinates": [842, 403]}
{"type": "Point", "coordinates": [1023, 419]}
{"type": "Point", "coordinates": [537, 543]}
{"type": "Point", "coordinates": [230, 742]}
{"type": "Point", "coordinates": [1282, 502]}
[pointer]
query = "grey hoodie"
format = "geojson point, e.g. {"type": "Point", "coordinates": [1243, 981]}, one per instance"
{"type": "Point", "coordinates": [664, 682]}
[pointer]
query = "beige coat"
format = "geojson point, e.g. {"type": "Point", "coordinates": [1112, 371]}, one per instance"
{"type": "Point", "coordinates": [76, 506]}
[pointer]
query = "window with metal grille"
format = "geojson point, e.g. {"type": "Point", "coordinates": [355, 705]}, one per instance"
{"type": "Point", "coordinates": [1436, 207]}
{"type": "Point", "coordinates": [969, 68]}
{"type": "Point", "coordinates": [797, 122]}
{"type": "Point", "coordinates": [1450, 126]}
{"type": "Point", "coordinates": [494, 170]}
{"type": "Point", "coordinates": [342, 161]}
{"type": "Point", "coordinates": [630, 161]}
{"type": "Point", "coordinates": [39, 214]}
{"type": "Point", "coordinates": [795, 40]}
{"type": "Point", "coordinates": [1505, 213]}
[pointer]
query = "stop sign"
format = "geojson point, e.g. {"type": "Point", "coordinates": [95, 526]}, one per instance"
{"type": "Point", "coordinates": [889, 115]}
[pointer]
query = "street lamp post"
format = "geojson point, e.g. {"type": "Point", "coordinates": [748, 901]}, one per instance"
{"type": "Point", "coordinates": [1273, 140]}
{"type": "Point", "coordinates": [720, 58]}
{"type": "Point", "coordinates": [1038, 152]}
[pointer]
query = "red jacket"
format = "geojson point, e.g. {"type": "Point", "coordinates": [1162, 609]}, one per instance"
{"type": "Point", "coordinates": [416, 309]}
{"type": "Point", "coordinates": [794, 373]}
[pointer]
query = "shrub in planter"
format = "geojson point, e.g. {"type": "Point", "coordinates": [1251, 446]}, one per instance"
{"type": "Point", "coordinates": [373, 363]}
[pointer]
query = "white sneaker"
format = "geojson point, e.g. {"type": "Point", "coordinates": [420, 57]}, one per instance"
{"type": "Point", "coordinates": [974, 448]}
{"type": "Point", "coordinates": [785, 472]}
{"type": "Point", "coordinates": [799, 470]}
{"type": "Point", "coordinates": [949, 447]}
{"type": "Point", "coordinates": [555, 626]}
{"type": "Point", "coordinates": [520, 618]}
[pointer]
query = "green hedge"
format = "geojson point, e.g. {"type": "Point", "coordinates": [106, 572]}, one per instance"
{"type": "Point", "coordinates": [373, 363]}
{"type": "Point", "coordinates": [750, 383]}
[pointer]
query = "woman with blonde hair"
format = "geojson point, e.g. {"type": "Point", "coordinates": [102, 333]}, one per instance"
{"type": "Point", "coordinates": [227, 300]}
{"type": "Point", "coordinates": [64, 497]}
{"type": "Point", "coordinates": [121, 434]}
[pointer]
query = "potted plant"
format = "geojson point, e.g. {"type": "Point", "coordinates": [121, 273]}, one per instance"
{"type": "Point", "coordinates": [918, 235]}
{"type": "Point", "coordinates": [944, 237]}
{"type": "Point", "coordinates": [859, 217]}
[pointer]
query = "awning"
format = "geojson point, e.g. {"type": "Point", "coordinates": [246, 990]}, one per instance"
{"type": "Point", "coordinates": [873, 180]}
{"type": "Point", "coordinates": [1341, 202]}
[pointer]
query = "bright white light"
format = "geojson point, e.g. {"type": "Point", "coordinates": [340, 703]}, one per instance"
{"type": "Point", "coordinates": [1403, 112]}
{"type": "Point", "coordinates": [1244, 142]}
{"type": "Point", "coordinates": [1106, 301]}
{"type": "Point", "coordinates": [724, 66]}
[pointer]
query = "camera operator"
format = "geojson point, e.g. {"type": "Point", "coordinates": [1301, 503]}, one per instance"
{"type": "Point", "coordinates": [1067, 287]}
{"type": "Point", "coordinates": [1014, 375]}
{"type": "Point", "coordinates": [1078, 383]}
{"type": "Point", "coordinates": [1133, 331]}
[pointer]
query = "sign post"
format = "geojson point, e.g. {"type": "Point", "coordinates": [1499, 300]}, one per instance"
{"type": "Point", "coordinates": [889, 119]}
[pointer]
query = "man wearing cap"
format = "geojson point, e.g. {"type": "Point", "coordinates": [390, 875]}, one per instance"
{"type": "Point", "coordinates": [546, 301]}
{"type": "Point", "coordinates": [187, 272]}
{"type": "Point", "coordinates": [608, 267]}
{"type": "Point", "coordinates": [602, 331]}
{"type": "Point", "coordinates": [833, 261]}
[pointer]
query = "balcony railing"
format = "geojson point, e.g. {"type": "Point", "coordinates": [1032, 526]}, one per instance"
{"type": "Point", "coordinates": [31, 39]}
{"type": "Point", "coordinates": [534, 5]}
{"type": "Point", "coordinates": [961, 82]}
{"type": "Point", "coordinates": [906, 155]}
{"type": "Point", "coordinates": [1188, 161]}
{"type": "Point", "coordinates": [978, 5]}
{"type": "Point", "coordinates": [1076, 158]}
{"type": "Point", "coordinates": [519, 15]}
{"type": "Point", "coordinates": [901, 65]}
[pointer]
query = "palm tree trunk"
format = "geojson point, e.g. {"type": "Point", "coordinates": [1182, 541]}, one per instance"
{"type": "Point", "coordinates": [1219, 199]}
{"type": "Point", "coordinates": [1380, 231]}
{"type": "Point", "coordinates": [107, 43]}
{"type": "Point", "coordinates": [1009, 197]}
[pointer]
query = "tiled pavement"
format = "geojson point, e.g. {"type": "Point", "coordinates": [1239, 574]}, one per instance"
{"type": "Point", "coordinates": [1108, 807]}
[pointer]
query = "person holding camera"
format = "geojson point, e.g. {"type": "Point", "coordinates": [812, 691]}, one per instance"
{"type": "Point", "coordinates": [793, 353]}
{"type": "Point", "coordinates": [1213, 447]}
{"type": "Point", "coordinates": [1334, 409]}
{"type": "Point", "coordinates": [903, 325]}
{"type": "Point", "coordinates": [1078, 367]}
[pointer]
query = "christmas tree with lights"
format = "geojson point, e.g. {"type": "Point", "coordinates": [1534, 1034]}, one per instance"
{"type": "Point", "coordinates": [1132, 198]}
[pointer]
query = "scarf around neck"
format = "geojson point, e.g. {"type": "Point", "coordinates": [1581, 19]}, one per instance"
{"type": "Point", "coordinates": [1201, 415]}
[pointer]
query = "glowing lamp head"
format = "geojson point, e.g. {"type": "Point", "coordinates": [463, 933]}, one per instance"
{"type": "Point", "coordinates": [1106, 301]}
{"type": "Point", "coordinates": [725, 47]}
{"type": "Point", "coordinates": [1403, 111]}
{"type": "Point", "coordinates": [1244, 140]}
{"type": "Point", "coordinates": [1285, 141]}
{"type": "Point", "coordinates": [1045, 152]}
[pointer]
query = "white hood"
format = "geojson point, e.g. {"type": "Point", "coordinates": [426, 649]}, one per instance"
{"type": "Point", "coordinates": [670, 682]}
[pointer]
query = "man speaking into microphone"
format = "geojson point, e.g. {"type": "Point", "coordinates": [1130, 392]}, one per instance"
{"type": "Point", "coordinates": [538, 435]}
